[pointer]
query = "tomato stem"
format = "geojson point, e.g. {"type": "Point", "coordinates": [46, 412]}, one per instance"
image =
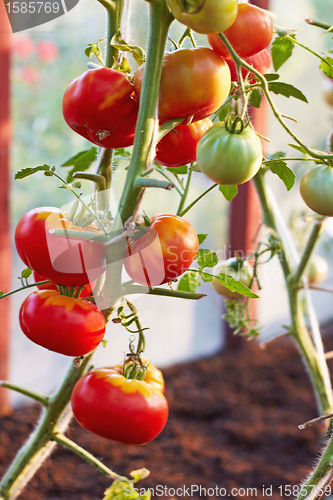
{"type": "Point", "coordinates": [186, 191]}
{"type": "Point", "coordinates": [43, 400]}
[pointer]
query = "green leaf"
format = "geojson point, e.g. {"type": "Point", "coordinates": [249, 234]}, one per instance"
{"type": "Point", "coordinates": [282, 49]}
{"type": "Point", "coordinates": [208, 278]}
{"type": "Point", "coordinates": [94, 49]}
{"type": "Point", "coordinates": [178, 170]}
{"type": "Point", "coordinates": [80, 162]}
{"type": "Point", "coordinates": [228, 191]}
{"type": "Point", "coordinates": [225, 111]}
{"type": "Point", "coordinates": [271, 76]}
{"type": "Point", "coordinates": [118, 42]}
{"type": "Point", "coordinates": [26, 273]}
{"type": "Point", "coordinates": [139, 474]}
{"type": "Point", "coordinates": [287, 90]}
{"type": "Point", "coordinates": [206, 258]}
{"type": "Point", "coordinates": [281, 169]}
{"type": "Point", "coordinates": [201, 238]}
{"type": "Point", "coordinates": [327, 67]}
{"type": "Point", "coordinates": [282, 32]}
{"type": "Point", "coordinates": [298, 148]}
{"type": "Point", "coordinates": [123, 488]}
{"type": "Point", "coordinates": [189, 282]}
{"type": "Point", "coordinates": [121, 154]}
{"type": "Point", "coordinates": [25, 172]}
{"type": "Point", "coordinates": [235, 286]}
{"type": "Point", "coordinates": [255, 98]}
{"type": "Point", "coordinates": [278, 154]}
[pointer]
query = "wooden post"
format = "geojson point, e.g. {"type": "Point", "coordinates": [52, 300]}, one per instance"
{"type": "Point", "coordinates": [5, 237]}
{"type": "Point", "coordinates": [245, 212]}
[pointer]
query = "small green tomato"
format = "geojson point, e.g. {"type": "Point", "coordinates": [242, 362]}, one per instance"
{"type": "Point", "coordinates": [231, 267]}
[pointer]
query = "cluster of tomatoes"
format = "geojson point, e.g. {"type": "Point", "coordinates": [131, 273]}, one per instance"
{"type": "Point", "coordinates": [102, 104]}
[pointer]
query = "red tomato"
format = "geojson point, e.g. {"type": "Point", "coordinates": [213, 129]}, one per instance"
{"type": "Point", "coordinates": [87, 290]}
{"type": "Point", "coordinates": [99, 105]}
{"type": "Point", "coordinates": [62, 324]}
{"type": "Point", "coordinates": [178, 147]}
{"type": "Point", "coordinates": [251, 32]}
{"type": "Point", "coordinates": [261, 62]}
{"type": "Point", "coordinates": [164, 252]}
{"type": "Point", "coordinates": [22, 45]}
{"type": "Point", "coordinates": [194, 83]}
{"type": "Point", "coordinates": [66, 261]}
{"type": "Point", "coordinates": [129, 411]}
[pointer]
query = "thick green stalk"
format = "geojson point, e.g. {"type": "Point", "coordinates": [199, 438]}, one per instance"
{"type": "Point", "coordinates": [318, 370]}
{"type": "Point", "coordinates": [40, 445]}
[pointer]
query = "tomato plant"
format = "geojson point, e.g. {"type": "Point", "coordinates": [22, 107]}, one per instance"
{"type": "Point", "coordinates": [251, 33]}
{"type": "Point", "coordinates": [205, 16]}
{"type": "Point", "coordinates": [129, 411]}
{"type": "Point", "coordinates": [194, 84]}
{"type": "Point", "coordinates": [179, 146]}
{"type": "Point", "coordinates": [229, 157]}
{"type": "Point", "coordinates": [60, 323]}
{"type": "Point", "coordinates": [317, 269]}
{"type": "Point", "coordinates": [164, 252]}
{"type": "Point", "coordinates": [85, 292]}
{"type": "Point", "coordinates": [262, 61]}
{"type": "Point", "coordinates": [316, 189]}
{"type": "Point", "coordinates": [241, 271]}
{"type": "Point", "coordinates": [100, 106]}
{"type": "Point", "coordinates": [63, 260]}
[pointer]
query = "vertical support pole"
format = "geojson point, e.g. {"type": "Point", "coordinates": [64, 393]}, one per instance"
{"type": "Point", "coordinates": [245, 212]}
{"type": "Point", "coordinates": [5, 238]}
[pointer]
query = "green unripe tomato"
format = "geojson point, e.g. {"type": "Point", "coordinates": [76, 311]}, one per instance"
{"type": "Point", "coordinates": [204, 16]}
{"type": "Point", "coordinates": [231, 267]}
{"type": "Point", "coordinates": [316, 189]}
{"type": "Point", "coordinates": [229, 158]}
{"type": "Point", "coordinates": [317, 269]}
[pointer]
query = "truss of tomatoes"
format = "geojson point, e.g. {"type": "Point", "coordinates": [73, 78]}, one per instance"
{"type": "Point", "coordinates": [129, 411]}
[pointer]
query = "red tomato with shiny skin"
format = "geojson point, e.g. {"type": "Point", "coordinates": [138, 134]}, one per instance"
{"type": "Point", "coordinates": [62, 324]}
{"type": "Point", "coordinates": [261, 62]}
{"type": "Point", "coordinates": [129, 411]}
{"type": "Point", "coordinates": [251, 32]}
{"type": "Point", "coordinates": [86, 291]}
{"type": "Point", "coordinates": [164, 252]}
{"type": "Point", "coordinates": [100, 106]}
{"type": "Point", "coordinates": [194, 84]}
{"type": "Point", "coordinates": [178, 147]}
{"type": "Point", "coordinates": [65, 261]}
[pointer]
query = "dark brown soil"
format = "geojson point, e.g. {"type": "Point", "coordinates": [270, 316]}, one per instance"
{"type": "Point", "coordinates": [233, 424]}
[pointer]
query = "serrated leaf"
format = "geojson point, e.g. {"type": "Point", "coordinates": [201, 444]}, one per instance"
{"type": "Point", "coordinates": [327, 67]}
{"type": "Point", "coordinates": [298, 148]}
{"type": "Point", "coordinates": [229, 191]}
{"type": "Point", "coordinates": [25, 172]}
{"type": "Point", "coordinates": [235, 286]}
{"type": "Point", "coordinates": [26, 273]}
{"type": "Point", "coordinates": [118, 42]}
{"type": "Point", "coordinates": [189, 282]}
{"type": "Point", "coordinates": [282, 49]}
{"type": "Point", "coordinates": [201, 238]}
{"type": "Point", "coordinates": [178, 170]}
{"type": "Point", "coordinates": [80, 162]}
{"type": "Point", "coordinates": [95, 49]}
{"type": "Point", "coordinates": [281, 169]}
{"type": "Point", "coordinates": [270, 77]}
{"type": "Point", "coordinates": [206, 258]}
{"type": "Point", "coordinates": [287, 90]}
{"type": "Point", "coordinates": [255, 98]}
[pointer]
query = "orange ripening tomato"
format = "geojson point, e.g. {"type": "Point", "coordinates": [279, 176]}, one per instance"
{"type": "Point", "coordinates": [251, 32]}
{"type": "Point", "coordinates": [194, 84]}
{"type": "Point", "coordinates": [64, 260]}
{"type": "Point", "coordinates": [178, 147]}
{"type": "Point", "coordinates": [129, 411]}
{"type": "Point", "coordinates": [62, 324]}
{"type": "Point", "coordinates": [100, 106]}
{"type": "Point", "coordinates": [164, 252]}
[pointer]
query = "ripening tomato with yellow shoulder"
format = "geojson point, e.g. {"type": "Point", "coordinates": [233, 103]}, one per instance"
{"type": "Point", "coordinates": [62, 324]}
{"type": "Point", "coordinates": [100, 105]}
{"type": "Point", "coordinates": [165, 250]}
{"type": "Point", "coordinates": [194, 84]}
{"type": "Point", "coordinates": [179, 146]}
{"type": "Point", "coordinates": [64, 260]}
{"type": "Point", "coordinates": [129, 411]}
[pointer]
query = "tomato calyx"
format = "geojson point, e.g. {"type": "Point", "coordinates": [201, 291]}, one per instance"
{"type": "Point", "coordinates": [234, 124]}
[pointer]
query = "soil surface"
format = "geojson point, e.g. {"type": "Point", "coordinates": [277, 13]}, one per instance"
{"type": "Point", "coordinates": [233, 424]}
